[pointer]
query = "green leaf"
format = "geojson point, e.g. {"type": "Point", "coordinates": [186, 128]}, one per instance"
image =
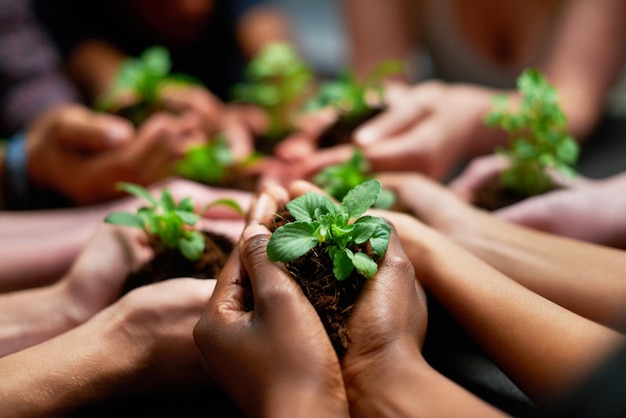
{"type": "Point", "coordinates": [167, 201]}
{"type": "Point", "coordinates": [303, 208]}
{"type": "Point", "coordinates": [125, 219]}
{"type": "Point", "coordinates": [361, 198]}
{"type": "Point", "coordinates": [157, 60]}
{"type": "Point", "coordinates": [342, 263]}
{"type": "Point", "coordinates": [291, 241]}
{"type": "Point", "coordinates": [385, 200]}
{"type": "Point", "coordinates": [364, 264]}
{"type": "Point", "coordinates": [228, 203]}
{"type": "Point", "coordinates": [137, 191]}
{"type": "Point", "coordinates": [364, 228]}
{"type": "Point", "coordinates": [380, 239]}
{"type": "Point", "coordinates": [192, 246]}
{"type": "Point", "coordinates": [186, 205]}
{"type": "Point", "coordinates": [187, 217]}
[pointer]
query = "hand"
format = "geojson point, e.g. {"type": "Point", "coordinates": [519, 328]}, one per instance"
{"type": "Point", "coordinates": [154, 327]}
{"type": "Point", "coordinates": [195, 99]}
{"type": "Point", "coordinates": [71, 150]}
{"type": "Point", "coordinates": [591, 211]}
{"type": "Point", "coordinates": [96, 277]}
{"type": "Point", "coordinates": [428, 128]}
{"type": "Point", "coordinates": [277, 356]}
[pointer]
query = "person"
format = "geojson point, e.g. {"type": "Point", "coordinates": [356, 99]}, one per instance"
{"type": "Point", "coordinates": [208, 40]}
{"type": "Point", "coordinates": [140, 344]}
{"type": "Point", "coordinates": [71, 155]}
{"type": "Point", "coordinates": [478, 50]}
{"type": "Point", "coordinates": [55, 238]}
{"type": "Point", "coordinates": [31, 75]}
{"type": "Point", "coordinates": [383, 371]}
{"type": "Point", "coordinates": [585, 209]}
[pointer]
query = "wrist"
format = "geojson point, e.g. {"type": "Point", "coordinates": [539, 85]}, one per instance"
{"type": "Point", "coordinates": [305, 400]}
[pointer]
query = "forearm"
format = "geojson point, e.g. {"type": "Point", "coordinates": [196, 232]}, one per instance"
{"type": "Point", "coordinates": [411, 388]}
{"type": "Point", "coordinates": [80, 366]}
{"type": "Point", "coordinates": [30, 317]}
{"type": "Point", "coordinates": [584, 64]}
{"type": "Point", "coordinates": [371, 41]}
{"type": "Point", "coordinates": [95, 65]}
{"type": "Point", "coordinates": [261, 26]}
{"type": "Point", "coordinates": [541, 346]}
{"type": "Point", "coordinates": [293, 402]}
{"type": "Point", "coordinates": [568, 272]}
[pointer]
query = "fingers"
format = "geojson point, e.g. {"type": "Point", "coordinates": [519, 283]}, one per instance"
{"type": "Point", "coordinates": [325, 157]}
{"type": "Point", "coordinates": [390, 123]}
{"type": "Point", "coordinates": [266, 203]}
{"type": "Point", "coordinates": [81, 129]}
{"type": "Point", "coordinates": [478, 173]}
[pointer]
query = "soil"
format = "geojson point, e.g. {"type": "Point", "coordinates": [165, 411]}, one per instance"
{"type": "Point", "coordinates": [332, 299]}
{"type": "Point", "coordinates": [492, 196]}
{"type": "Point", "coordinates": [340, 132]}
{"type": "Point", "coordinates": [138, 112]}
{"type": "Point", "coordinates": [170, 263]}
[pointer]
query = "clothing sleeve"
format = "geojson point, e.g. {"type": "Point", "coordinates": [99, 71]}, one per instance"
{"type": "Point", "coordinates": [31, 79]}
{"type": "Point", "coordinates": [238, 8]}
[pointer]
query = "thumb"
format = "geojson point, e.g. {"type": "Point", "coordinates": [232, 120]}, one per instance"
{"type": "Point", "coordinates": [87, 131]}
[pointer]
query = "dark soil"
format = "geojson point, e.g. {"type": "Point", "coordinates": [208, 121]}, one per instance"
{"type": "Point", "coordinates": [332, 299]}
{"type": "Point", "coordinates": [137, 113]}
{"type": "Point", "coordinates": [168, 264]}
{"type": "Point", "coordinates": [492, 196]}
{"type": "Point", "coordinates": [341, 131]}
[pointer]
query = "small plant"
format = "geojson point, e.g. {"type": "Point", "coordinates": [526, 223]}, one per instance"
{"type": "Point", "coordinates": [208, 163]}
{"type": "Point", "coordinates": [319, 221]}
{"type": "Point", "coordinates": [277, 81]}
{"type": "Point", "coordinates": [141, 80]}
{"type": "Point", "coordinates": [349, 95]}
{"type": "Point", "coordinates": [538, 136]}
{"type": "Point", "coordinates": [337, 180]}
{"type": "Point", "coordinates": [168, 225]}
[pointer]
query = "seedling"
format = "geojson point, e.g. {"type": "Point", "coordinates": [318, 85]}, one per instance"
{"type": "Point", "coordinates": [538, 136]}
{"type": "Point", "coordinates": [142, 80]}
{"type": "Point", "coordinates": [208, 163]}
{"type": "Point", "coordinates": [350, 96]}
{"type": "Point", "coordinates": [277, 81]}
{"type": "Point", "coordinates": [337, 180]}
{"type": "Point", "coordinates": [340, 229]}
{"type": "Point", "coordinates": [167, 224]}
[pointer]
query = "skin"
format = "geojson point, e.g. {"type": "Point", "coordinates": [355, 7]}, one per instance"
{"type": "Point", "coordinates": [558, 268]}
{"type": "Point", "coordinates": [554, 349]}
{"type": "Point", "coordinates": [142, 342]}
{"type": "Point", "coordinates": [383, 371]}
{"type": "Point", "coordinates": [586, 209]}
{"type": "Point", "coordinates": [436, 125]}
{"type": "Point", "coordinates": [104, 150]}
{"type": "Point", "coordinates": [56, 237]}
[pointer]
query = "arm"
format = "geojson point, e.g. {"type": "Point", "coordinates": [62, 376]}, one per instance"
{"type": "Point", "coordinates": [140, 343]}
{"type": "Point", "coordinates": [570, 273]}
{"type": "Point", "coordinates": [378, 31]}
{"type": "Point", "coordinates": [544, 348]}
{"type": "Point", "coordinates": [261, 25]}
{"type": "Point", "coordinates": [586, 59]}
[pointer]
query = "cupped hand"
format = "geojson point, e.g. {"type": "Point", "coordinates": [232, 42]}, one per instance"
{"type": "Point", "coordinates": [155, 324]}
{"type": "Point", "coordinates": [274, 355]}
{"type": "Point", "coordinates": [195, 99]}
{"type": "Point", "coordinates": [428, 128]}
{"type": "Point", "coordinates": [96, 278]}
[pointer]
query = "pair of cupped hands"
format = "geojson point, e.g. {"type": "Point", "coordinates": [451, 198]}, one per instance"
{"type": "Point", "coordinates": [277, 355]}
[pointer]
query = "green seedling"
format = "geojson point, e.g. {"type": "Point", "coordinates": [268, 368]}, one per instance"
{"type": "Point", "coordinates": [340, 229]}
{"type": "Point", "coordinates": [337, 180]}
{"type": "Point", "coordinates": [208, 163]}
{"type": "Point", "coordinates": [143, 79]}
{"type": "Point", "coordinates": [350, 96]}
{"type": "Point", "coordinates": [277, 80]}
{"type": "Point", "coordinates": [167, 224]}
{"type": "Point", "coordinates": [538, 136]}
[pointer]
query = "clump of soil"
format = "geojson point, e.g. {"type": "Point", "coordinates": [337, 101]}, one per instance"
{"type": "Point", "coordinates": [492, 196]}
{"type": "Point", "coordinates": [170, 263]}
{"type": "Point", "coordinates": [332, 299]}
{"type": "Point", "coordinates": [341, 131]}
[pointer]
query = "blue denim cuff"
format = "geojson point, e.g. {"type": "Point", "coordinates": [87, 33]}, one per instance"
{"type": "Point", "coordinates": [16, 166]}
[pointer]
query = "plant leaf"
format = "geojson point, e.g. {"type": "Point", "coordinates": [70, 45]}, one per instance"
{"type": "Point", "coordinates": [125, 219]}
{"type": "Point", "coordinates": [303, 208]}
{"type": "Point", "coordinates": [185, 205]}
{"type": "Point", "coordinates": [137, 191]}
{"type": "Point", "coordinates": [228, 203]}
{"type": "Point", "coordinates": [192, 246]}
{"type": "Point", "coordinates": [167, 201]}
{"type": "Point", "coordinates": [361, 198]}
{"type": "Point", "coordinates": [291, 241]}
{"type": "Point", "coordinates": [364, 264]}
{"type": "Point", "coordinates": [187, 217]}
{"type": "Point", "coordinates": [342, 263]}
{"type": "Point", "coordinates": [380, 239]}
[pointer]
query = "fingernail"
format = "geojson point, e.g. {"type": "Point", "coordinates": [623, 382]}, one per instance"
{"type": "Point", "coordinates": [365, 137]}
{"type": "Point", "coordinates": [254, 230]}
{"type": "Point", "coordinates": [117, 132]}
